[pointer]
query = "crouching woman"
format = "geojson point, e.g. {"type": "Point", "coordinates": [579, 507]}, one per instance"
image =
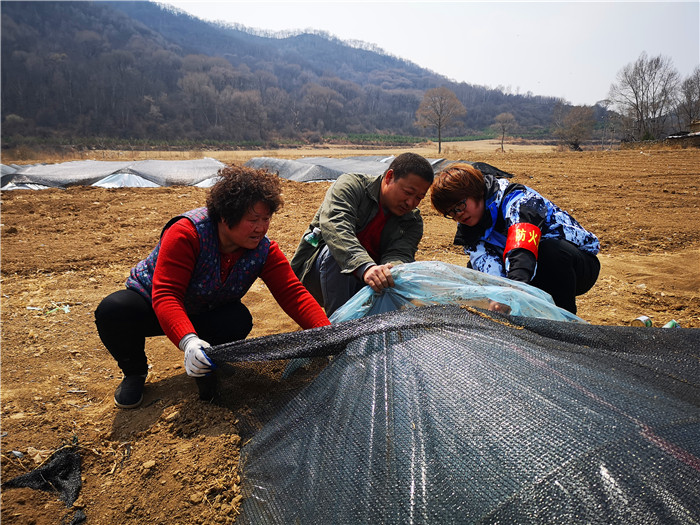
{"type": "Point", "coordinates": [510, 230]}
{"type": "Point", "coordinates": [190, 286]}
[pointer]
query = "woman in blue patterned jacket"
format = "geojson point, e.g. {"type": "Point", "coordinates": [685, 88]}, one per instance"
{"type": "Point", "coordinates": [510, 230]}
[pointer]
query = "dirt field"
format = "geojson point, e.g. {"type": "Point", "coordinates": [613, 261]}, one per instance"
{"type": "Point", "coordinates": [175, 459]}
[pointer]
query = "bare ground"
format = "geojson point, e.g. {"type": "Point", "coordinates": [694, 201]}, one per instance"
{"type": "Point", "coordinates": [175, 460]}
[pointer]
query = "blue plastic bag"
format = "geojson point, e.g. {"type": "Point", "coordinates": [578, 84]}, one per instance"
{"type": "Point", "coordinates": [434, 282]}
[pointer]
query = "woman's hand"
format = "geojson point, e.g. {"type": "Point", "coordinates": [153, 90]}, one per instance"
{"type": "Point", "coordinates": [197, 363]}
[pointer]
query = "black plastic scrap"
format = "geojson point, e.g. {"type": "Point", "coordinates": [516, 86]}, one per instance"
{"type": "Point", "coordinates": [61, 473]}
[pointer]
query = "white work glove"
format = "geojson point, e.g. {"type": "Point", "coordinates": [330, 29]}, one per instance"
{"type": "Point", "coordinates": [197, 363]}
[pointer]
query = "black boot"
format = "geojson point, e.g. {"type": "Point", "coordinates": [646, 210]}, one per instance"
{"type": "Point", "coordinates": [129, 393]}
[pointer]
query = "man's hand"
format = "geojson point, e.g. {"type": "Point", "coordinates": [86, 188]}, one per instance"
{"type": "Point", "coordinates": [495, 306]}
{"type": "Point", "coordinates": [197, 363]}
{"type": "Point", "coordinates": [379, 277]}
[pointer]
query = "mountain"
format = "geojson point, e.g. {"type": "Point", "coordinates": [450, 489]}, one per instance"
{"type": "Point", "coordinates": [318, 52]}
{"type": "Point", "coordinates": [140, 70]}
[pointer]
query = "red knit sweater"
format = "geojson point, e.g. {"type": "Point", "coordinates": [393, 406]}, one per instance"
{"type": "Point", "coordinates": [179, 250]}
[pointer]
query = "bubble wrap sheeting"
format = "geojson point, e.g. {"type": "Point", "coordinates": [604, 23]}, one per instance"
{"type": "Point", "coordinates": [88, 172]}
{"type": "Point", "coordinates": [435, 282]}
{"type": "Point", "coordinates": [445, 416]}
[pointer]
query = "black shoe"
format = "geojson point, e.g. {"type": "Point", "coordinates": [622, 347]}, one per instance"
{"type": "Point", "coordinates": [129, 393]}
{"type": "Point", "coordinates": [207, 386]}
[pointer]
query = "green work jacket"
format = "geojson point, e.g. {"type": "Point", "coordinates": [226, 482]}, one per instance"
{"type": "Point", "coordinates": [349, 205]}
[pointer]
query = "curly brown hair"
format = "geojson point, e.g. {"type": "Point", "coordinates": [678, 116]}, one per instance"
{"type": "Point", "coordinates": [239, 189]}
{"type": "Point", "coordinates": [457, 182]}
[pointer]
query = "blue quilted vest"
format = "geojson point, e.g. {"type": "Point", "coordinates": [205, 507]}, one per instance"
{"type": "Point", "coordinates": [205, 290]}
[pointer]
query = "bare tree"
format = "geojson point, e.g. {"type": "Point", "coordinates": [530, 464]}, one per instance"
{"type": "Point", "coordinates": [322, 105]}
{"type": "Point", "coordinates": [439, 108]}
{"type": "Point", "coordinates": [504, 122]}
{"type": "Point", "coordinates": [689, 99]}
{"type": "Point", "coordinates": [644, 92]}
{"type": "Point", "coordinates": [573, 125]}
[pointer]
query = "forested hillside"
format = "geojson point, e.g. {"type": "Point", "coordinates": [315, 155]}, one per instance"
{"type": "Point", "coordinates": [136, 70]}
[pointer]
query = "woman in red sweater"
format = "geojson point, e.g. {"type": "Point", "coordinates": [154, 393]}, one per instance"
{"type": "Point", "coordinates": [190, 286]}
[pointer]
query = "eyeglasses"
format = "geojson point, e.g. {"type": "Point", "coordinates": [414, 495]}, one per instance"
{"type": "Point", "coordinates": [456, 209]}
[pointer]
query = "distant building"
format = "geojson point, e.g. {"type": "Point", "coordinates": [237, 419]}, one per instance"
{"type": "Point", "coordinates": [695, 126]}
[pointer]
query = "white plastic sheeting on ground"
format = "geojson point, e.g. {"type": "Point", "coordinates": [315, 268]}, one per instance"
{"type": "Point", "coordinates": [202, 173]}
{"type": "Point", "coordinates": [125, 180]}
{"type": "Point", "coordinates": [319, 168]}
{"type": "Point", "coordinates": [323, 168]}
{"type": "Point", "coordinates": [293, 169]}
{"type": "Point", "coordinates": [144, 173]}
{"type": "Point", "coordinates": [24, 186]}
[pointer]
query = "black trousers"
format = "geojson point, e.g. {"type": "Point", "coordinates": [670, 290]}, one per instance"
{"type": "Point", "coordinates": [125, 319]}
{"type": "Point", "coordinates": [564, 271]}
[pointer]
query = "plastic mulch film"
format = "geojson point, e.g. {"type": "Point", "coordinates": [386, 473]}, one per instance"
{"type": "Point", "coordinates": [112, 173]}
{"type": "Point", "coordinates": [433, 282]}
{"type": "Point", "coordinates": [293, 169]}
{"type": "Point", "coordinates": [324, 168]}
{"type": "Point", "coordinates": [196, 172]}
{"type": "Point", "coordinates": [440, 414]}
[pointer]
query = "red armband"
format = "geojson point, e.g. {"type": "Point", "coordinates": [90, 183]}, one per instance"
{"type": "Point", "coordinates": [523, 235]}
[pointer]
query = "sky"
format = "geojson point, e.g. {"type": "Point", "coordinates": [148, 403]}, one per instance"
{"type": "Point", "coordinates": [572, 50]}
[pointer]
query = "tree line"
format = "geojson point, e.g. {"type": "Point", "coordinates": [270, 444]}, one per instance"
{"type": "Point", "coordinates": [651, 98]}
{"type": "Point", "coordinates": [648, 99]}
{"type": "Point", "coordinates": [83, 69]}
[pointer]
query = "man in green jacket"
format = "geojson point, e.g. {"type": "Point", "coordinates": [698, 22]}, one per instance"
{"type": "Point", "coordinates": [367, 225]}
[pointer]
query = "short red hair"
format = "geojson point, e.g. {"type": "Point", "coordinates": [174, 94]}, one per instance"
{"type": "Point", "coordinates": [452, 185]}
